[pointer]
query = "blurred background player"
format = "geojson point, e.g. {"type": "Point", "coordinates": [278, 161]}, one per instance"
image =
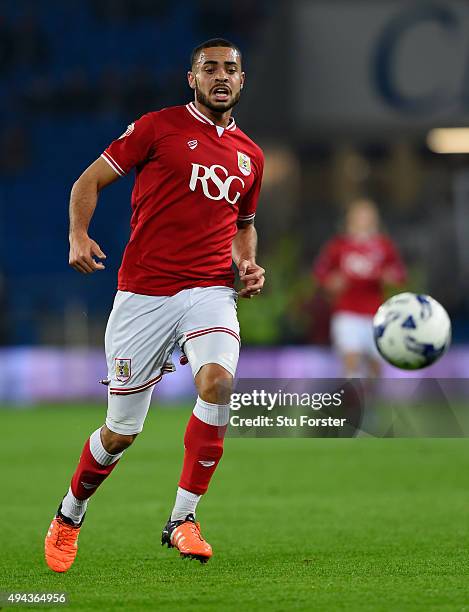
{"type": "Point", "coordinates": [353, 268]}
{"type": "Point", "coordinates": [198, 178]}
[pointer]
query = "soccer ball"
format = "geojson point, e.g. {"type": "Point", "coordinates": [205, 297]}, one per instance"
{"type": "Point", "coordinates": [411, 331]}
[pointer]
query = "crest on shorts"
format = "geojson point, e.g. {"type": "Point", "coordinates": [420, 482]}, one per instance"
{"type": "Point", "coordinates": [128, 131]}
{"type": "Point", "coordinates": [123, 369]}
{"type": "Point", "coordinates": [244, 163]}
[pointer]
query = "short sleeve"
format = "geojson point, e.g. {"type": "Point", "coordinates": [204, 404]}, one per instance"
{"type": "Point", "coordinates": [327, 262]}
{"type": "Point", "coordinates": [248, 205]}
{"type": "Point", "coordinates": [134, 147]}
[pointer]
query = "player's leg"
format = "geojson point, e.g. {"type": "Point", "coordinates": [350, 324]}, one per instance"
{"type": "Point", "coordinates": [346, 334]}
{"type": "Point", "coordinates": [131, 380]}
{"type": "Point", "coordinates": [373, 366]}
{"type": "Point", "coordinates": [100, 455]}
{"type": "Point", "coordinates": [210, 340]}
{"type": "Point", "coordinates": [373, 360]}
{"type": "Point", "coordinates": [103, 450]}
{"type": "Point", "coordinates": [211, 343]}
{"type": "Point", "coordinates": [351, 362]}
{"type": "Point", "coordinates": [203, 439]}
{"type": "Point", "coordinates": [203, 449]}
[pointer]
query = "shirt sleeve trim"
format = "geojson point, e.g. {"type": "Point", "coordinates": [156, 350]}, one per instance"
{"type": "Point", "coordinates": [112, 162]}
{"type": "Point", "coordinates": [246, 217]}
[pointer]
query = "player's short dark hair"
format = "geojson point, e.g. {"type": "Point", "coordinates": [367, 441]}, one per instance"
{"type": "Point", "coordinates": [213, 42]}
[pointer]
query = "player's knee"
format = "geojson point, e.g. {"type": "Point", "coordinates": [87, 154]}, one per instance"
{"type": "Point", "coordinates": [214, 384]}
{"type": "Point", "coordinates": [116, 443]}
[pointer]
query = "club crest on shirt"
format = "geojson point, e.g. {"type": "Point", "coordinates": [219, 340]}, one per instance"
{"type": "Point", "coordinates": [123, 369]}
{"type": "Point", "coordinates": [129, 130]}
{"type": "Point", "coordinates": [244, 163]}
{"type": "Point", "coordinates": [192, 144]}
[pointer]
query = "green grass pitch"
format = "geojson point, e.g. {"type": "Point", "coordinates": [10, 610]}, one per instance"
{"type": "Point", "coordinates": [295, 524]}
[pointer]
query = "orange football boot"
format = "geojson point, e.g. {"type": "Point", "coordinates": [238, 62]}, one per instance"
{"type": "Point", "coordinates": [61, 543]}
{"type": "Point", "coordinates": [186, 537]}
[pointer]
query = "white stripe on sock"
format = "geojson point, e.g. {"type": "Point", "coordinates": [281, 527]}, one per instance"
{"type": "Point", "coordinates": [99, 452]}
{"type": "Point", "coordinates": [212, 414]}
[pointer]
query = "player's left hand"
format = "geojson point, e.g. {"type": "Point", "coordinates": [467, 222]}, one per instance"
{"type": "Point", "coordinates": [390, 276]}
{"type": "Point", "coordinates": [252, 276]}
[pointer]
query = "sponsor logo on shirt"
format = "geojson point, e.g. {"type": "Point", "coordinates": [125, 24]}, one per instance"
{"type": "Point", "coordinates": [192, 144]}
{"type": "Point", "coordinates": [362, 265]}
{"type": "Point", "coordinates": [215, 182]}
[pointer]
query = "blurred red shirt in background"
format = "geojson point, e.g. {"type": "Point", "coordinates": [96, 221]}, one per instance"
{"type": "Point", "coordinates": [359, 268]}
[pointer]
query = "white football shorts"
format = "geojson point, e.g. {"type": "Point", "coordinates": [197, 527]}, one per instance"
{"type": "Point", "coordinates": [141, 334]}
{"type": "Point", "coordinates": [353, 333]}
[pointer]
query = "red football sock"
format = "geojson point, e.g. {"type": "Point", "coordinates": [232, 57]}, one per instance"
{"type": "Point", "coordinates": [203, 445]}
{"type": "Point", "coordinates": [89, 474]}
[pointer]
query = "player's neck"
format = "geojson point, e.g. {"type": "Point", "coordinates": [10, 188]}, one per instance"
{"type": "Point", "coordinates": [221, 119]}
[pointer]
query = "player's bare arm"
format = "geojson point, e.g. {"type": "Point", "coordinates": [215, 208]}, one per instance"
{"type": "Point", "coordinates": [244, 256]}
{"type": "Point", "coordinates": [335, 284]}
{"type": "Point", "coordinates": [83, 202]}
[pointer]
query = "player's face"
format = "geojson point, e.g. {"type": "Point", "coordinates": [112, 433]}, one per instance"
{"type": "Point", "coordinates": [362, 220]}
{"type": "Point", "coordinates": [217, 78]}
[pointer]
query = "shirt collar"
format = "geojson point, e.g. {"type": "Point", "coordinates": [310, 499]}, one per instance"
{"type": "Point", "coordinates": [192, 109]}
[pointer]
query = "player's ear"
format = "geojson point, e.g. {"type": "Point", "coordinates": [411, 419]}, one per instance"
{"type": "Point", "coordinates": [191, 79]}
{"type": "Point", "coordinates": [243, 78]}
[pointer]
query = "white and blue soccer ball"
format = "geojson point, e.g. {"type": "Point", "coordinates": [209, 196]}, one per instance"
{"type": "Point", "coordinates": [412, 331]}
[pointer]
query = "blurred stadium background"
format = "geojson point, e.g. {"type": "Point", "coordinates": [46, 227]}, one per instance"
{"type": "Point", "coordinates": [341, 95]}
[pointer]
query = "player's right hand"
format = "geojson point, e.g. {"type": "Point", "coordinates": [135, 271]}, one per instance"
{"type": "Point", "coordinates": [82, 252]}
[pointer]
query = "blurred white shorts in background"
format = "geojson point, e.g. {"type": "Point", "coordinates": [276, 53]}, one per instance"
{"type": "Point", "coordinates": [353, 333]}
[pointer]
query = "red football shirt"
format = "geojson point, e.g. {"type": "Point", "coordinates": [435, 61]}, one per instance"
{"type": "Point", "coordinates": [362, 264]}
{"type": "Point", "coordinates": [193, 182]}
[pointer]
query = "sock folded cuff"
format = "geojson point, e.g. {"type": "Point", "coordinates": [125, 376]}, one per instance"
{"type": "Point", "coordinates": [191, 497]}
{"type": "Point", "coordinates": [186, 503]}
{"type": "Point", "coordinates": [98, 451]}
{"type": "Point", "coordinates": [212, 414]}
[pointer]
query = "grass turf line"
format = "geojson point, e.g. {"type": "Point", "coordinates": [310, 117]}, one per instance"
{"type": "Point", "coordinates": [295, 524]}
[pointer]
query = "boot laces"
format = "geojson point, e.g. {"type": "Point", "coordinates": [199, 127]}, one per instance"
{"type": "Point", "coordinates": [65, 535]}
{"type": "Point", "coordinates": [195, 528]}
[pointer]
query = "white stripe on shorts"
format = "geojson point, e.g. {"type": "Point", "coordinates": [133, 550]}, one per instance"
{"type": "Point", "coordinates": [138, 388]}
